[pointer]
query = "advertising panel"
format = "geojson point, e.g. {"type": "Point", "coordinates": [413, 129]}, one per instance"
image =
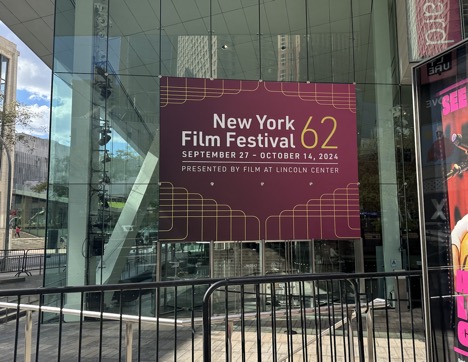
{"type": "Point", "coordinates": [253, 160]}
{"type": "Point", "coordinates": [435, 26]}
{"type": "Point", "coordinates": [454, 108]}
{"type": "Point", "coordinates": [442, 121]}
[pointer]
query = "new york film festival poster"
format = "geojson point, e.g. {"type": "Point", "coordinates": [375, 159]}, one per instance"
{"type": "Point", "coordinates": [454, 114]}
{"type": "Point", "coordinates": [254, 160]}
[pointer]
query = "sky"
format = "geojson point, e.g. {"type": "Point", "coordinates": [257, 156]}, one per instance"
{"type": "Point", "coordinates": [33, 87]}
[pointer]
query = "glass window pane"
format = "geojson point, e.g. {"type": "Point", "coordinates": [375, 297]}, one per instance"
{"type": "Point", "coordinates": [4, 68]}
{"type": "Point", "coordinates": [134, 38]}
{"type": "Point", "coordinates": [74, 40]}
{"type": "Point", "coordinates": [330, 46]}
{"type": "Point", "coordinates": [235, 33]}
{"type": "Point", "coordinates": [186, 44]}
{"type": "Point", "coordinates": [283, 41]}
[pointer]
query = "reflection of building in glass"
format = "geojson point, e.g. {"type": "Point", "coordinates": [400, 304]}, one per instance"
{"type": "Point", "coordinates": [31, 160]}
{"type": "Point", "coordinates": [193, 56]}
{"type": "Point", "coordinates": [289, 49]}
{"type": "Point", "coordinates": [30, 183]}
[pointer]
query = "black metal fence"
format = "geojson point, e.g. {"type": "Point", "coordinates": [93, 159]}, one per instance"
{"type": "Point", "coordinates": [306, 317]}
{"type": "Point", "coordinates": [21, 261]}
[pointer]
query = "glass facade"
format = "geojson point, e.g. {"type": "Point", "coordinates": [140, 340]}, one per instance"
{"type": "Point", "coordinates": [103, 183]}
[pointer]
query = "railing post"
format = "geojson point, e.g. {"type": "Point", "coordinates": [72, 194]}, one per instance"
{"type": "Point", "coordinates": [370, 335]}
{"type": "Point", "coordinates": [229, 336]}
{"type": "Point", "coordinates": [351, 335]}
{"type": "Point", "coordinates": [20, 264]}
{"type": "Point", "coordinates": [28, 336]}
{"type": "Point", "coordinates": [206, 317]}
{"type": "Point", "coordinates": [25, 262]}
{"type": "Point", "coordinates": [360, 334]}
{"type": "Point", "coordinates": [129, 340]}
{"type": "Point", "coordinates": [206, 327]}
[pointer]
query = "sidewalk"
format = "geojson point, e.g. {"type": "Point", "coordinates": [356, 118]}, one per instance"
{"type": "Point", "coordinates": [106, 342]}
{"type": "Point", "coordinates": [27, 241]}
{"type": "Point", "coordinates": [11, 280]}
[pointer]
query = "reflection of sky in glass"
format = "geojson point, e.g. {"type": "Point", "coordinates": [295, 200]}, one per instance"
{"type": "Point", "coordinates": [119, 144]}
{"type": "Point", "coordinates": [61, 118]}
{"type": "Point", "coordinates": [61, 112]}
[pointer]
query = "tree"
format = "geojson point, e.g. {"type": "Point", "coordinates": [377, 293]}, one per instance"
{"type": "Point", "coordinates": [40, 187]}
{"type": "Point", "coordinates": [125, 164]}
{"type": "Point", "coordinates": [14, 115]}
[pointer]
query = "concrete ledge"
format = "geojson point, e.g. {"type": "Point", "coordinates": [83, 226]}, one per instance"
{"type": "Point", "coordinates": [11, 280]}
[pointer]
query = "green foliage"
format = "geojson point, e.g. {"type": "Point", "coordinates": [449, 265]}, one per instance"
{"type": "Point", "coordinates": [125, 164]}
{"type": "Point", "coordinates": [60, 190]}
{"type": "Point", "coordinates": [40, 187]}
{"type": "Point", "coordinates": [57, 190]}
{"type": "Point", "coordinates": [14, 115]}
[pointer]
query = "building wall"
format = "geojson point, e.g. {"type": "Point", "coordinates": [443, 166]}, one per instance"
{"type": "Point", "coordinates": [31, 161]}
{"type": "Point", "coordinates": [109, 57]}
{"type": "Point", "coordinates": [7, 50]}
{"type": "Point", "coordinates": [30, 170]}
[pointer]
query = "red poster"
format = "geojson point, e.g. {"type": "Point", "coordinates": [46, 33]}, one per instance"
{"type": "Point", "coordinates": [251, 160]}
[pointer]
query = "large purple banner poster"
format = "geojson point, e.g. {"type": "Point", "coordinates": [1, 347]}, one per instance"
{"type": "Point", "coordinates": [252, 160]}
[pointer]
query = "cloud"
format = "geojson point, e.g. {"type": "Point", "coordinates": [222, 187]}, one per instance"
{"type": "Point", "coordinates": [62, 112]}
{"type": "Point", "coordinates": [39, 125]}
{"type": "Point", "coordinates": [34, 77]}
{"type": "Point", "coordinates": [33, 84]}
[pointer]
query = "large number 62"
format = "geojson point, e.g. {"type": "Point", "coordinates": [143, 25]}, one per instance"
{"type": "Point", "coordinates": [315, 134]}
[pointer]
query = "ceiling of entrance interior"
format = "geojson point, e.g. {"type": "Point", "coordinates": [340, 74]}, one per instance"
{"type": "Point", "coordinates": [136, 22]}
{"type": "Point", "coordinates": [238, 46]}
{"type": "Point", "coordinates": [33, 22]}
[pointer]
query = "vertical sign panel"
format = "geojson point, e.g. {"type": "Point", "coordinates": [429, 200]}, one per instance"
{"type": "Point", "coordinates": [434, 26]}
{"type": "Point", "coordinates": [454, 113]}
{"type": "Point", "coordinates": [441, 100]}
{"type": "Point", "coordinates": [250, 160]}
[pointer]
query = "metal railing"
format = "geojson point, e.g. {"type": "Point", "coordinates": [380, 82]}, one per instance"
{"type": "Point", "coordinates": [334, 317]}
{"type": "Point", "coordinates": [21, 261]}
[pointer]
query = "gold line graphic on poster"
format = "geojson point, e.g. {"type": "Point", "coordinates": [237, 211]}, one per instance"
{"type": "Point", "coordinates": [186, 208]}
{"type": "Point", "coordinates": [161, 187]}
{"type": "Point", "coordinates": [323, 198]}
{"type": "Point", "coordinates": [174, 206]}
{"type": "Point", "coordinates": [338, 100]}
{"type": "Point", "coordinates": [171, 94]}
{"type": "Point", "coordinates": [343, 203]}
{"type": "Point", "coordinates": [348, 199]}
{"type": "Point", "coordinates": [218, 216]}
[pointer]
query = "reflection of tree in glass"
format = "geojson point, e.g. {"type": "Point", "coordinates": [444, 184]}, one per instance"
{"type": "Point", "coordinates": [125, 165]}
{"type": "Point", "coordinates": [59, 190]}
{"type": "Point", "coordinates": [15, 115]}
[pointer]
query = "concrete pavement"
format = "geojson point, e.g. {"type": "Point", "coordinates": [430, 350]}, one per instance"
{"type": "Point", "coordinates": [13, 281]}
{"type": "Point", "coordinates": [27, 241]}
{"type": "Point", "coordinates": [186, 343]}
{"type": "Point", "coordinates": [106, 341]}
